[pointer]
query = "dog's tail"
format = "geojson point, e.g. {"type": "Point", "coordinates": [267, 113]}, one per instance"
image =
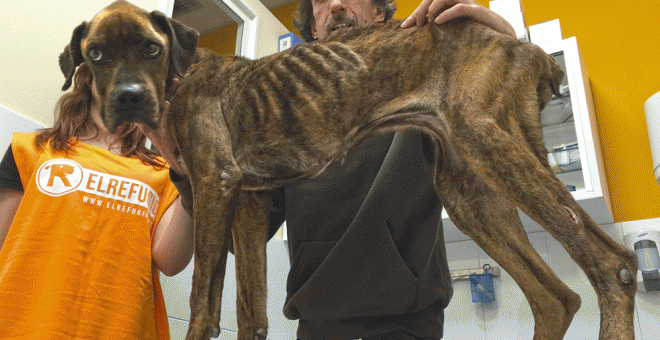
{"type": "Point", "coordinates": [419, 118]}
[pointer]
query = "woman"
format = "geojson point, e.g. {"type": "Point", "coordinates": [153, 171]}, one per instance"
{"type": "Point", "coordinates": [88, 220]}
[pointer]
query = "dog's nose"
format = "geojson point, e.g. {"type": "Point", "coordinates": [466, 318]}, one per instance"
{"type": "Point", "coordinates": [130, 99]}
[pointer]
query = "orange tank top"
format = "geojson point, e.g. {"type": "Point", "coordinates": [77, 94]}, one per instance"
{"type": "Point", "coordinates": [77, 263]}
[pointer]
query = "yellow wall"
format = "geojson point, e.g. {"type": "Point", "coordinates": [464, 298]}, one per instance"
{"type": "Point", "coordinates": [620, 43]}
{"type": "Point", "coordinates": [285, 15]}
{"type": "Point", "coordinates": [222, 41]}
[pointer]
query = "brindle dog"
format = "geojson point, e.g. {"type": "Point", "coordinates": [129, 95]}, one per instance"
{"type": "Point", "coordinates": [246, 126]}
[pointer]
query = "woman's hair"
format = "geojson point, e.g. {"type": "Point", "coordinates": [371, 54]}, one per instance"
{"type": "Point", "coordinates": [304, 17]}
{"type": "Point", "coordinates": [72, 121]}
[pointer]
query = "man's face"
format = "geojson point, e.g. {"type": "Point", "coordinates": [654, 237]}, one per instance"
{"type": "Point", "coordinates": [331, 16]}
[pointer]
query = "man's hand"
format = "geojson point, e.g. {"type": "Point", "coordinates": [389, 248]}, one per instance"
{"type": "Point", "coordinates": [162, 136]}
{"type": "Point", "coordinates": [442, 11]}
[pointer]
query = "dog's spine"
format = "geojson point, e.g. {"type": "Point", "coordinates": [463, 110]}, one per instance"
{"type": "Point", "coordinates": [302, 85]}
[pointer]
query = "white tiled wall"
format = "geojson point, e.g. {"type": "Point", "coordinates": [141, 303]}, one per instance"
{"type": "Point", "coordinates": [508, 317]}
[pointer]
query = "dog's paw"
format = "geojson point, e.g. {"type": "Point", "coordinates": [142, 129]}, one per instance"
{"type": "Point", "coordinates": [215, 331]}
{"type": "Point", "coordinates": [261, 334]}
{"type": "Point", "coordinates": [202, 329]}
{"type": "Point", "coordinates": [227, 182]}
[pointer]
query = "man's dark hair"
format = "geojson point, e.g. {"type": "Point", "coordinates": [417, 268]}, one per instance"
{"type": "Point", "coordinates": [304, 17]}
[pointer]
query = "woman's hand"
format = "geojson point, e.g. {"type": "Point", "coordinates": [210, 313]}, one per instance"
{"type": "Point", "coordinates": [441, 11]}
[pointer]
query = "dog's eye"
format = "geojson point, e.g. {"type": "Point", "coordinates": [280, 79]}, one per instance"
{"type": "Point", "coordinates": [95, 54]}
{"type": "Point", "coordinates": [153, 50]}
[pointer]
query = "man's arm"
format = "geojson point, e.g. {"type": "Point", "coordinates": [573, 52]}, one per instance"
{"type": "Point", "coordinates": [442, 11]}
{"type": "Point", "coordinates": [182, 185]}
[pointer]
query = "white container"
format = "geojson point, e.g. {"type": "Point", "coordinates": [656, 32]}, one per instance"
{"type": "Point", "coordinates": [645, 243]}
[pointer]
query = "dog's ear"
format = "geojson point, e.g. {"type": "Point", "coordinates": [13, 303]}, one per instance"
{"type": "Point", "coordinates": [72, 55]}
{"type": "Point", "coordinates": [557, 75]}
{"type": "Point", "coordinates": [549, 81]}
{"type": "Point", "coordinates": [183, 42]}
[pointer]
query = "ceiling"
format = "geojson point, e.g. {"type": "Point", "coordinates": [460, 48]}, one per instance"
{"type": "Point", "coordinates": [206, 17]}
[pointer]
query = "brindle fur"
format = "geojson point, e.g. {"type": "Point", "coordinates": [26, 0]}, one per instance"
{"type": "Point", "coordinates": [246, 126]}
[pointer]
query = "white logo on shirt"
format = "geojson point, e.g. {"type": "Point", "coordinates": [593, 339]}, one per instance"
{"type": "Point", "coordinates": [58, 177]}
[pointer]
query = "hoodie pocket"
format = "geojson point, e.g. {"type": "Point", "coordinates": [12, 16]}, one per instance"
{"type": "Point", "coordinates": [361, 275]}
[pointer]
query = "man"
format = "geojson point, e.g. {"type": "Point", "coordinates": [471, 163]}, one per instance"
{"type": "Point", "coordinates": [365, 237]}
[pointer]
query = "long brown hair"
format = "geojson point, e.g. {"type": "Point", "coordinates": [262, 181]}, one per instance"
{"type": "Point", "coordinates": [72, 121]}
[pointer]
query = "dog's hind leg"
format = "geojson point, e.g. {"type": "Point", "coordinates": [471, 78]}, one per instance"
{"type": "Point", "coordinates": [493, 223]}
{"type": "Point", "coordinates": [250, 235]}
{"type": "Point", "coordinates": [509, 166]}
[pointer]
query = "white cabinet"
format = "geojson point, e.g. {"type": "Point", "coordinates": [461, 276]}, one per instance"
{"type": "Point", "coordinates": [571, 136]}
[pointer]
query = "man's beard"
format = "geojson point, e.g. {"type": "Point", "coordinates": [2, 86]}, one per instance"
{"type": "Point", "coordinates": [340, 21]}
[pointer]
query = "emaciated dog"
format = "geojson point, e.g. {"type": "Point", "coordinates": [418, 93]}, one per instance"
{"type": "Point", "coordinates": [246, 126]}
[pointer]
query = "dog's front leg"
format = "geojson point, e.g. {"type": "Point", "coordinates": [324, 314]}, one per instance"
{"type": "Point", "coordinates": [215, 178]}
{"type": "Point", "coordinates": [250, 234]}
{"type": "Point", "coordinates": [212, 214]}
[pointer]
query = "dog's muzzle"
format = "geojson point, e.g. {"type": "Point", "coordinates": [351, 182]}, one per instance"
{"type": "Point", "coordinates": [130, 99]}
{"type": "Point", "coordinates": [131, 103]}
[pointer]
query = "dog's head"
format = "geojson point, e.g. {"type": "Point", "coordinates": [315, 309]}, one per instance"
{"type": "Point", "coordinates": [132, 54]}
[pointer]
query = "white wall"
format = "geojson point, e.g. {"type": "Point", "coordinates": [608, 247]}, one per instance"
{"type": "Point", "coordinates": [33, 33]}
{"type": "Point", "coordinates": [270, 29]}
{"type": "Point", "coordinates": [12, 122]}
{"type": "Point", "coordinates": [509, 316]}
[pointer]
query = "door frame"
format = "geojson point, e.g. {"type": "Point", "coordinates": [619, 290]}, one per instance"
{"type": "Point", "coordinates": [242, 14]}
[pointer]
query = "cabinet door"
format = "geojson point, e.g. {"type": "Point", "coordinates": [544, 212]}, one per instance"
{"type": "Point", "coordinates": [590, 182]}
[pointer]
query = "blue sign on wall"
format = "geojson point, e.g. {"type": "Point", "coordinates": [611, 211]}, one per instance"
{"type": "Point", "coordinates": [482, 287]}
{"type": "Point", "coordinates": [288, 40]}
